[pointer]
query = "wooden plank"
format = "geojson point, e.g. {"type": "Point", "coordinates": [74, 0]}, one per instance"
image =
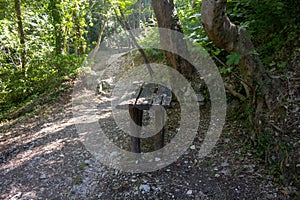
{"type": "Point", "coordinates": [130, 98]}
{"type": "Point", "coordinates": [145, 99]}
{"type": "Point", "coordinates": [163, 96]}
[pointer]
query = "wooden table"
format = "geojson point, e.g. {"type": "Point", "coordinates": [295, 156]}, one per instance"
{"type": "Point", "coordinates": [146, 96]}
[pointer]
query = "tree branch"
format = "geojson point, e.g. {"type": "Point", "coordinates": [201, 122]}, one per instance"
{"type": "Point", "coordinates": [127, 27]}
{"type": "Point", "coordinates": [234, 74]}
{"type": "Point", "coordinates": [230, 37]}
{"type": "Point", "coordinates": [230, 89]}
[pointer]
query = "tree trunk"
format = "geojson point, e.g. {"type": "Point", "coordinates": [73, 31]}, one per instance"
{"type": "Point", "coordinates": [57, 26]}
{"type": "Point", "coordinates": [228, 36]}
{"type": "Point", "coordinates": [138, 14]}
{"type": "Point", "coordinates": [79, 35]}
{"type": "Point", "coordinates": [99, 37]}
{"type": "Point", "coordinates": [166, 16]}
{"type": "Point", "coordinates": [21, 32]}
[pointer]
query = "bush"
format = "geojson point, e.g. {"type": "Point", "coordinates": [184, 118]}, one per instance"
{"type": "Point", "coordinates": [19, 84]}
{"type": "Point", "coordinates": [273, 26]}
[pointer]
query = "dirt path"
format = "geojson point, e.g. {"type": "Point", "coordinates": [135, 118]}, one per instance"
{"type": "Point", "coordinates": [41, 157]}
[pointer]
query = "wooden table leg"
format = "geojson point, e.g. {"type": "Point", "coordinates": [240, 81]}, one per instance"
{"type": "Point", "coordinates": [159, 122]}
{"type": "Point", "coordinates": [135, 127]}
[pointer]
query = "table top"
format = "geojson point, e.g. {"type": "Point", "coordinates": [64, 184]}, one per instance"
{"type": "Point", "coordinates": [146, 96]}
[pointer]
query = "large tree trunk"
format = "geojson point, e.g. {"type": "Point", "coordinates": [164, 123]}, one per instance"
{"type": "Point", "coordinates": [21, 32]}
{"type": "Point", "coordinates": [166, 16]}
{"type": "Point", "coordinates": [228, 36]}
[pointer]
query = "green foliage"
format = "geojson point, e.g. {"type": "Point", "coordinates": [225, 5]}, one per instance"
{"type": "Point", "coordinates": [77, 180]}
{"type": "Point", "coordinates": [125, 5]}
{"type": "Point", "coordinates": [233, 58]}
{"type": "Point", "coordinates": [189, 13]}
{"type": "Point", "coordinates": [43, 71]}
{"type": "Point", "coordinates": [151, 41]}
{"type": "Point", "coordinates": [226, 70]}
{"type": "Point", "coordinates": [17, 85]}
{"type": "Point", "coordinates": [190, 18]}
{"type": "Point", "coordinates": [273, 26]}
{"type": "Point", "coordinates": [274, 151]}
{"type": "Point", "coordinates": [82, 165]}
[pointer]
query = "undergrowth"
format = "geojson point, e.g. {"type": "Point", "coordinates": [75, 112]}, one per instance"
{"type": "Point", "coordinates": [21, 89]}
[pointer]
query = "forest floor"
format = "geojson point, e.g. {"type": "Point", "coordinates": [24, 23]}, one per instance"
{"type": "Point", "coordinates": [42, 157]}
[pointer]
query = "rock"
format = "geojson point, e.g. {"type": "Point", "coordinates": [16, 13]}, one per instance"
{"type": "Point", "coordinates": [225, 172]}
{"type": "Point", "coordinates": [16, 196]}
{"type": "Point", "coordinates": [156, 189]}
{"type": "Point", "coordinates": [227, 140]}
{"type": "Point", "coordinates": [189, 192]}
{"type": "Point", "coordinates": [43, 176]}
{"type": "Point", "coordinates": [157, 159]}
{"type": "Point", "coordinates": [200, 97]}
{"type": "Point", "coordinates": [225, 164]}
{"type": "Point", "coordinates": [250, 168]}
{"type": "Point", "coordinates": [201, 194]}
{"type": "Point", "coordinates": [193, 147]}
{"type": "Point", "coordinates": [145, 187]}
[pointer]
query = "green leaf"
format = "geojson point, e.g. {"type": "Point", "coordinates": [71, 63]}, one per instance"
{"type": "Point", "coordinates": [233, 58]}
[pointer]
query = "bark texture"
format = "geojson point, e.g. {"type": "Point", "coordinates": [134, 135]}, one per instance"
{"type": "Point", "coordinates": [230, 37]}
{"type": "Point", "coordinates": [167, 17]}
{"type": "Point", "coordinates": [21, 32]}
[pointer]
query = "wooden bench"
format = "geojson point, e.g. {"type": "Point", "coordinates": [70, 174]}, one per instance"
{"type": "Point", "coordinates": [146, 96]}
